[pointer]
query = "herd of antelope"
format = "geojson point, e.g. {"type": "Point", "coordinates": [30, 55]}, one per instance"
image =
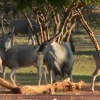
{"type": "Point", "coordinates": [58, 58]}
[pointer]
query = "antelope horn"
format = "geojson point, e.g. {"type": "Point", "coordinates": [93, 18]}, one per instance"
{"type": "Point", "coordinates": [56, 36]}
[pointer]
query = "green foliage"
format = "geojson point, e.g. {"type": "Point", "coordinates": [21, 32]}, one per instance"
{"type": "Point", "coordinates": [22, 4]}
{"type": "Point", "coordinates": [92, 2]}
{"type": "Point", "coordinates": [58, 3]}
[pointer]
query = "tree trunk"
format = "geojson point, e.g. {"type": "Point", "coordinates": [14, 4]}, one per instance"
{"type": "Point", "coordinates": [88, 29]}
{"type": "Point", "coordinates": [41, 30]}
{"type": "Point", "coordinates": [31, 27]}
{"type": "Point", "coordinates": [63, 86]}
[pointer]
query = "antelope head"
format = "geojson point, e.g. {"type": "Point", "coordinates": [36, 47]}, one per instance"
{"type": "Point", "coordinates": [45, 46]}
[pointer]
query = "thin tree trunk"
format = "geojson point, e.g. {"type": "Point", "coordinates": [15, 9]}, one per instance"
{"type": "Point", "coordinates": [41, 30]}
{"type": "Point", "coordinates": [70, 31]}
{"type": "Point", "coordinates": [31, 26]}
{"type": "Point", "coordinates": [47, 32]}
{"type": "Point", "coordinates": [88, 29]}
{"type": "Point", "coordinates": [66, 18]}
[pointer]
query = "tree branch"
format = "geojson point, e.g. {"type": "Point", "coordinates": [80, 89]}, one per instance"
{"type": "Point", "coordinates": [64, 86]}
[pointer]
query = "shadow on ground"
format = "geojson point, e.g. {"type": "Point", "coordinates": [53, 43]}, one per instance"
{"type": "Point", "coordinates": [32, 79]}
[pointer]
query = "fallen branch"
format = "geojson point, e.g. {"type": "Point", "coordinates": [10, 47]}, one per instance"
{"type": "Point", "coordinates": [63, 86]}
{"type": "Point", "coordinates": [13, 88]}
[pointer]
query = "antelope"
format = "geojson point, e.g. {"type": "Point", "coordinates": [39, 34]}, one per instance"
{"type": "Point", "coordinates": [6, 40]}
{"type": "Point", "coordinates": [58, 58]}
{"type": "Point", "coordinates": [20, 56]}
{"type": "Point", "coordinates": [96, 57]}
{"type": "Point", "coordinates": [22, 26]}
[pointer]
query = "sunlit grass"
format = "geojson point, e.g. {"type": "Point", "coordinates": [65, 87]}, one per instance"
{"type": "Point", "coordinates": [83, 69]}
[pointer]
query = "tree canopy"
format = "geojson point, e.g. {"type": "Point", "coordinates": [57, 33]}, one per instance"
{"type": "Point", "coordinates": [21, 4]}
{"type": "Point", "coordinates": [62, 15]}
